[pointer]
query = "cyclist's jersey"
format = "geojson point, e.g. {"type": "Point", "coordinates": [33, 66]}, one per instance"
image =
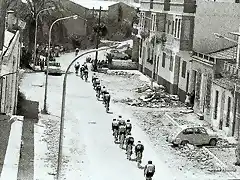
{"type": "Point", "coordinates": [139, 148]}
{"type": "Point", "coordinates": [130, 140]}
{"type": "Point", "coordinates": [129, 126]}
{"type": "Point", "coordinates": [97, 81]}
{"type": "Point", "coordinates": [98, 88]}
{"type": "Point", "coordinates": [115, 125]}
{"type": "Point", "coordinates": [122, 129]}
{"type": "Point", "coordinates": [94, 77]}
{"type": "Point", "coordinates": [121, 121]}
{"type": "Point", "coordinates": [77, 66]}
{"type": "Point", "coordinates": [149, 168]}
{"type": "Point", "coordinates": [107, 97]}
{"type": "Point", "coordinates": [82, 68]}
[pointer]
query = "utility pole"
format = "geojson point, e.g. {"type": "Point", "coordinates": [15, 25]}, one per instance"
{"type": "Point", "coordinates": [2, 22]}
{"type": "Point", "coordinates": [97, 40]}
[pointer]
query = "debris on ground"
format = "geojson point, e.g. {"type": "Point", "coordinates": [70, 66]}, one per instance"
{"type": "Point", "coordinates": [201, 158]}
{"type": "Point", "coordinates": [121, 73]}
{"type": "Point", "coordinates": [156, 97]}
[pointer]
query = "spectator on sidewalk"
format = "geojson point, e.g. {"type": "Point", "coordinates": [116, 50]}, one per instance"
{"type": "Point", "coordinates": [187, 100]}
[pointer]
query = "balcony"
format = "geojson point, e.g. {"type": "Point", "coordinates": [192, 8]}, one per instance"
{"type": "Point", "coordinates": [231, 69]}
{"type": "Point", "coordinates": [205, 57]}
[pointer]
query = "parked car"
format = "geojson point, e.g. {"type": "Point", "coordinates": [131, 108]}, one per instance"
{"type": "Point", "coordinates": [119, 55]}
{"type": "Point", "coordinates": [54, 69]}
{"type": "Point", "coordinates": [195, 135]}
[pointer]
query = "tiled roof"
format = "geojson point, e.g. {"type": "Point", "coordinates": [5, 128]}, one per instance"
{"type": "Point", "coordinates": [228, 53]}
{"type": "Point", "coordinates": [90, 4]}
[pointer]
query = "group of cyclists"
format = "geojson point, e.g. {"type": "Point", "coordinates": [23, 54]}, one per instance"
{"type": "Point", "coordinates": [121, 128]}
{"type": "Point", "coordinates": [122, 135]}
{"type": "Point", "coordinates": [101, 91]}
{"type": "Point", "coordinates": [122, 131]}
{"type": "Point", "coordinates": [83, 70]}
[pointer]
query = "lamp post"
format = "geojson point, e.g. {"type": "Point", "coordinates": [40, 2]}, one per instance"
{"type": "Point", "coordinates": [35, 40]}
{"type": "Point", "coordinates": [60, 147]}
{"type": "Point", "coordinates": [49, 44]}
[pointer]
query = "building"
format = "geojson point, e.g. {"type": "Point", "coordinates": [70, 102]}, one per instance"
{"type": "Point", "coordinates": [166, 29]}
{"type": "Point", "coordinates": [9, 68]}
{"type": "Point", "coordinates": [179, 53]}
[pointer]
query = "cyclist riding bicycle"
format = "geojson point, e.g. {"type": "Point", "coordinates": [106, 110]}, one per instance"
{"type": "Point", "coordinates": [129, 126]}
{"type": "Point", "coordinates": [139, 148]}
{"type": "Point", "coordinates": [115, 128]}
{"type": "Point", "coordinates": [149, 170]}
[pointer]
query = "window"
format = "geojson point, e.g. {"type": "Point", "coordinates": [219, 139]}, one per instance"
{"type": "Point", "coordinates": [184, 65]}
{"type": "Point", "coordinates": [188, 131]}
{"type": "Point", "coordinates": [171, 64]}
{"type": "Point", "coordinates": [151, 4]}
{"type": "Point", "coordinates": [173, 27]}
{"type": "Point", "coordinates": [163, 59]}
{"type": "Point", "coordinates": [168, 27]}
{"type": "Point", "coordinates": [228, 112]}
{"type": "Point", "coordinates": [177, 28]}
{"type": "Point", "coordinates": [216, 105]}
{"type": "Point", "coordinates": [153, 19]}
{"type": "Point", "coordinates": [142, 20]}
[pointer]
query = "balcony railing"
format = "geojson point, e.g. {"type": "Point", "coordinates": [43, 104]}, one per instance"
{"type": "Point", "coordinates": [204, 56]}
{"type": "Point", "coordinates": [232, 69]}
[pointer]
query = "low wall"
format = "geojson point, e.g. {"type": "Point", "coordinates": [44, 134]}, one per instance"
{"type": "Point", "coordinates": [123, 65]}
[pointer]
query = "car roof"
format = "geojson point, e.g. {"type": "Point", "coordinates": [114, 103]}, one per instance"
{"type": "Point", "coordinates": [189, 126]}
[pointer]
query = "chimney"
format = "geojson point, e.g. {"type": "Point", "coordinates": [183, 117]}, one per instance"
{"type": "Point", "coordinates": [2, 23]}
{"type": "Point", "coordinates": [11, 21]}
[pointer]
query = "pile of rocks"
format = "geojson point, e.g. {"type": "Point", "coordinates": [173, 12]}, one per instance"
{"type": "Point", "coordinates": [121, 73]}
{"type": "Point", "coordinates": [202, 158]}
{"type": "Point", "coordinates": [156, 98]}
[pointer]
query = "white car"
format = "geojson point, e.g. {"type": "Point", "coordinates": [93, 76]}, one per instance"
{"type": "Point", "coordinates": [119, 55]}
{"type": "Point", "coordinates": [54, 69]}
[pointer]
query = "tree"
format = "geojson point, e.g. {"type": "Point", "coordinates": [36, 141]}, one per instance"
{"type": "Point", "coordinates": [28, 12]}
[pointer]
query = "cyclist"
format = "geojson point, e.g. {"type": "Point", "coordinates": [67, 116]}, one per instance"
{"type": "Point", "coordinates": [77, 66]}
{"type": "Point", "coordinates": [103, 91]}
{"type": "Point", "coordinates": [98, 90]}
{"type": "Point", "coordinates": [149, 170]}
{"type": "Point", "coordinates": [129, 145]}
{"type": "Point", "coordinates": [115, 128]}
{"type": "Point", "coordinates": [139, 148]}
{"type": "Point", "coordinates": [129, 126]}
{"type": "Point", "coordinates": [96, 83]}
{"type": "Point", "coordinates": [82, 71]}
{"type": "Point", "coordinates": [85, 73]}
{"type": "Point", "coordinates": [76, 51]}
{"type": "Point", "coordinates": [107, 98]}
{"type": "Point", "coordinates": [94, 77]}
{"type": "Point", "coordinates": [122, 133]}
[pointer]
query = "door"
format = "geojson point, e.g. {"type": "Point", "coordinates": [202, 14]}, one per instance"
{"type": "Point", "coordinates": [187, 135]}
{"type": "Point", "coordinates": [200, 136]}
{"type": "Point", "coordinates": [187, 85]}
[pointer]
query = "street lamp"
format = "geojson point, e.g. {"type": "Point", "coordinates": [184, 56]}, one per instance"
{"type": "Point", "coordinates": [35, 40]}
{"type": "Point", "coordinates": [49, 44]}
{"type": "Point", "coordinates": [59, 166]}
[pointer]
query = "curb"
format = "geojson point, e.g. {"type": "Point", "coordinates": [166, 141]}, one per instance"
{"type": "Point", "coordinates": [11, 160]}
{"type": "Point", "coordinates": [222, 164]}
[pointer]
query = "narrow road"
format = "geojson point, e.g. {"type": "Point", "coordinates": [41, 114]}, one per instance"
{"type": "Point", "coordinates": [89, 151]}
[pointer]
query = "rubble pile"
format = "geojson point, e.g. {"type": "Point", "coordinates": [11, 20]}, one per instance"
{"type": "Point", "coordinates": [121, 73]}
{"type": "Point", "coordinates": [52, 136]}
{"type": "Point", "coordinates": [223, 143]}
{"type": "Point", "coordinates": [156, 98]}
{"type": "Point", "coordinates": [202, 158]}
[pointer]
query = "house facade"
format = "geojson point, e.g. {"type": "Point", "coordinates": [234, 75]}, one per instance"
{"type": "Point", "coordinates": [166, 30]}
{"type": "Point", "coordinates": [9, 79]}
{"type": "Point", "coordinates": [180, 54]}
